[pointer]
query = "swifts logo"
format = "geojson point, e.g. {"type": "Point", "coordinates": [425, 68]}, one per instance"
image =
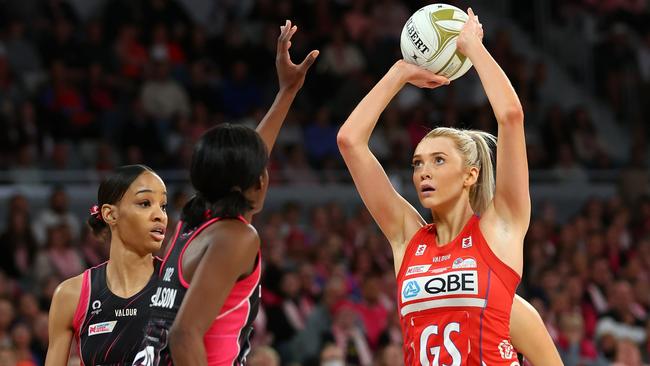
{"type": "Point", "coordinates": [421, 249]}
{"type": "Point", "coordinates": [506, 350]}
{"type": "Point", "coordinates": [467, 242]}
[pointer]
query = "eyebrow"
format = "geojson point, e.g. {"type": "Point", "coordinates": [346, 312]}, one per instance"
{"type": "Point", "coordinates": [432, 154]}
{"type": "Point", "coordinates": [147, 190]}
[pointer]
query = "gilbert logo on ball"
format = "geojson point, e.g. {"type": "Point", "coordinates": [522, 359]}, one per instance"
{"type": "Point", "coordinates": [429, 40]}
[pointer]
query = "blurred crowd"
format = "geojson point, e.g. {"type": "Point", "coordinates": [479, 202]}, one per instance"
{"type": "Point", "coordinates": [328, 286]}
{"type": "Point", "coordinates": [140, 81]}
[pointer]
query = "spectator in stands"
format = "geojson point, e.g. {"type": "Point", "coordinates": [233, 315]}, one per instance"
{"type": "Point", "coordinates": [6, 319]}
{"type": "Point", "coordinates": [40, 336]}
{"type": "Point", "coordinates": [18, 245]}
{"type": "Point", "coordinates": [574, 348]}
{"type": "Point", "coordinates": [7, 356]}
{"type": "Point", "coordinates": [21, 338]}
{"type": "Point", "coordinates": [28, 309]}
{"type": "Point", "coordinates": [263, 356]}
{"type": "Point", "coordinates": [163, 98]}
{"type": "Point", "coordinates": [348, 335]}
{"type": "Point", "coordinates": [287, 315]}
{"type": "Point", "coordinates": [55, 215]}
{"type": "Point", "coordinates": [60, 258]}
{"type": "Point", "coordinates": [373, 314]}
{"type": "Point", "coordinates": [332, 355]}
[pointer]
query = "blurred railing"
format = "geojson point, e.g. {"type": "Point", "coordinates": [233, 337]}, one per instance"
{"type": "Point", "coordinates": [546, 187]}
{"type": "Point", "coordinates": [55, 177]}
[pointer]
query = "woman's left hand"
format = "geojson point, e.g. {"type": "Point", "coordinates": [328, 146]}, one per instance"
{"type": "Point", "coordinates": [471, 33]}
{"type": "Point", "coordinates": [291, 76]}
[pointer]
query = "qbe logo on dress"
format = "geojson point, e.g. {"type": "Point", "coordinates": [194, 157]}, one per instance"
{"type": "Point", "coordinates": [101, 328]}
{"type": "Point", "coordinates": [411, 289]}
{"type": "Point", "coordinates": [456, 283]}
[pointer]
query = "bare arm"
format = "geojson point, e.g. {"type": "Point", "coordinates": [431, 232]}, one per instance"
{"type": "Point", "coordinates": [512, 197]}
{"type": "Point", "coordinates": [64, 304]}
{"type": "Point", "coordinates": [291, 78]}
{"type": "Point", "coordinates": [397, 219]}
{"type": "Point", "coordinates": [234, 247]}
{"type": "Point", "coordinates": [529, 335]}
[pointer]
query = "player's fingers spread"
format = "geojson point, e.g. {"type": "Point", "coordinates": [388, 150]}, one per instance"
{"type": "Point", "coordinates": [292, 31]}
{"type": "Point", "coordinates": [283, 34]}
{"type": "Point", "coordinates": [309, 60]}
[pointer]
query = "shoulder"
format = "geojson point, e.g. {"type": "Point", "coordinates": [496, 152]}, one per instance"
{"type": "Point", "coordinates": [230, 236]}
{"type": "Point", "coordinates": [227, 229]}
{"type": "Point", "coordinates": [70, 287]}
{"type": "Point", "coordinates": [67, 294]}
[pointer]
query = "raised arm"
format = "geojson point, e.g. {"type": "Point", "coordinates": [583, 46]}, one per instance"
{"type": "Point", "coordinates": [60, 332]}
{"type": "Point", "coordinates": [397, 219]}
{"type": "Point", "coordinates": [529, 335]}
{"type": "Point", "coordinates": [512, 199]}
{"type": "Point", "coordinates": [234, 248]}
{"type": "Point", "coordinates": [291, 78]}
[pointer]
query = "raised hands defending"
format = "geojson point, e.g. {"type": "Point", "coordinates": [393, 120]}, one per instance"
{"type": "Point", "coordinates": [291, 76]}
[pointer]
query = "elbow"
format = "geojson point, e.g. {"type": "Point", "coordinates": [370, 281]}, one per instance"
{"type": "Point", "coordinates": [513, 115]}
{"type": "Point", "coordinates": [179, 338]}
{"type": "Point", "coordinates": [344, 140]}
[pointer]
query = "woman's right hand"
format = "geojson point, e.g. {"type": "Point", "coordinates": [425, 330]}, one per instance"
{"type": "Point", "coordinates": [418, 76]}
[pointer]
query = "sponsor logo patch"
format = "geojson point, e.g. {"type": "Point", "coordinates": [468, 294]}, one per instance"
{"type": "Point", "coordinates": [439, 270]}
{"type": "Point", "coordinates": [464, 262]}
{"type": "Point", "coordinates": [421, 249]}
{"type": "Point", "coordinates": [467, 242]}
{"type": "Point", "coordinates": [444, 284]}
{"type": "Point", "coordinates": [101, 328]}
{"type": "Point", "coordinates": [97, 307]}
{"type": "Point", "coordinates": [411, 289]}
{"type": "Point", "coordinates": [417, 269]}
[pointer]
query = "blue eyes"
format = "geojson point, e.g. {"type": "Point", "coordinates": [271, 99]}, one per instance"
{"type": "Point", "coordinates": [419, 163]}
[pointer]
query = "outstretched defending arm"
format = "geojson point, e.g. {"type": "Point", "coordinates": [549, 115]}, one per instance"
{"type": "Point", "coordinates": [291, 78]}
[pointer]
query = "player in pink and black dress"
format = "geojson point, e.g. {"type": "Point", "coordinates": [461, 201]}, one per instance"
{"type": "Point", "coordinates": [106, 307]}
{"type": "Point", "coordinates": [209, 282]}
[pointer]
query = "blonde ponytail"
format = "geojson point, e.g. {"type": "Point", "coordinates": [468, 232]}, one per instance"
{"type": "Point", "coordinates": [476, 149]}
